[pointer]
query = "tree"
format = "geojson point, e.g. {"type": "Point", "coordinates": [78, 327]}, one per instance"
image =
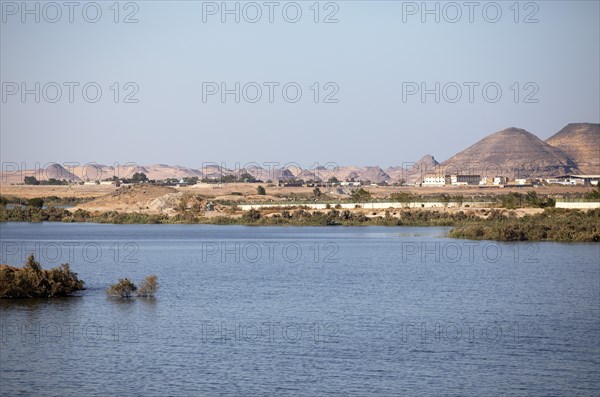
{"type": "Point", "coordinates": [333, 179]}
{"type": "Point", "coordinates": [228, 179]}
{"type": "Point", "coordinates": [459, 199]}
{"type": "Point", "coordinates": [594, 194]}
{"type": "Point", "coordinates": [251, 215]}
{"type": "Point", "coordinates": [317, 192]}
{"type": "Point", "coordinates": [31, 180]}
{"type": "Point", "coordinates": [445, 199]}
{"type": "Point", "coordinates": [260, 190]}
{"type": "Point", "coordinates": [123, 289]}
{"type": "Point", "coordinates": [401, 197]}
{"type": "Point", "coordinates": [54, 181]}
{"type": "Point", "coordinates": [139, 177]}
{"type": "Point", "coordinates": [191, 180]}
{"type": "Point", "coordinates": [361, 195]}
{"type": "Point", "coordinates": [36, 202]}
{"type": "Point", "coordinates": [532, 198]}
{"type": "Point", "coordinates": [246, 177]}
{"type": "Point", "coordinates": [148, 286]}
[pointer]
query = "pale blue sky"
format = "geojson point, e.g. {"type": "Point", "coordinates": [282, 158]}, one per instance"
{"type": "Point", "coordinates": [369, 53]}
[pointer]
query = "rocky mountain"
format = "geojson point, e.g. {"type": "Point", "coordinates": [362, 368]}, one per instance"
{"type": "Point", "coordinates": [581, 141]}
{"type": "Point", "coordinates": [57, 171]}
{"type": "Point", "coordinates": [425, 165]}
{"type": "Point", "coordinates": [512, 152]}
{"type": "Point", "coordinates": [374, 174]}
{"type": "Point", "coordinates": [162, 171]}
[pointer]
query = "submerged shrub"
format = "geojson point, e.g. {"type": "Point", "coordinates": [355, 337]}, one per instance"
{"type": "Point", "coordinates": [31, 281]}
{"type": "Point", "coordinates": [149, 286]}
{"type": "Point", "coordinates": [123, 289]}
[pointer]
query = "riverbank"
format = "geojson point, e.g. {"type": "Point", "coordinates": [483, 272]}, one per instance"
{"type": "Point", "coordinates": [550, 224]}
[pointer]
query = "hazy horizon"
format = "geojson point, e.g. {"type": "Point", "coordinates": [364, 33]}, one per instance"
{"type": "Point", "coordinates": [371, 58]}
{"type": "Point", "coordinates": [8, 166]}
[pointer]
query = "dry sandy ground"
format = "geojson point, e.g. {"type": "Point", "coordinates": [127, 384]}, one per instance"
{"type": "Point", "coordinates": [131, 199]}
{"type": "Point", "coordinates": [159, 199]}
{"type": "Point", "coordinates": [28, 191]}
{"type": "Point", "coordinates": [225, 190]}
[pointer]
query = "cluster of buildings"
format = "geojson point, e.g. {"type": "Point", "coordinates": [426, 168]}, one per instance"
{"type": "Point", "coordinates": [428, 180]}
{"type": "Point", "coordinates": [115, 182]}
{"type": "Point", "coordinates": [437, 180]}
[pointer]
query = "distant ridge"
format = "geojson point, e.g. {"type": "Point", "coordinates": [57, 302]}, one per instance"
{"type": "Point", "coordinates": [581, 141]}
{"type": "Point", "coordinates": [512, 152]}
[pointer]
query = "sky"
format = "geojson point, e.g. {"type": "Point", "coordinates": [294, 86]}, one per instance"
{"type": "Point", "coordinates": [344, 82]}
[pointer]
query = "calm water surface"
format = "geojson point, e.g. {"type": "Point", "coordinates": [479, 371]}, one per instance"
{"type": "Point", "coordinates": [305, 311]}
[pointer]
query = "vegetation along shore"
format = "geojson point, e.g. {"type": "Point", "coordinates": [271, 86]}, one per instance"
{"type": "Point", "coordinates": [549, 224]}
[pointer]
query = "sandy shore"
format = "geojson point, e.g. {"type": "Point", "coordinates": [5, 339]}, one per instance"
{"type": "Point", "coordinates": [152, 199]}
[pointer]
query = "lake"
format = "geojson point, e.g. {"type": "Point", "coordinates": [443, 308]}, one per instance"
{"type": "Point", "coordinates": [303, 311]}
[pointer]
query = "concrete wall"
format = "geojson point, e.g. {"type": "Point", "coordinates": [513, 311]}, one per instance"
{"type": "Point", "coordinates": [246, 207]}
{"type": "Point", "coordinates": [577, 205]}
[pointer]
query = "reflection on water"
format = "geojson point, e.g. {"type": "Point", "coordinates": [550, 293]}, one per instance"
{"type": "Point", "coordinates": [303, 311]}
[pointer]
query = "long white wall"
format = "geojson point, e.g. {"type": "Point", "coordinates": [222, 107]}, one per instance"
{"type": "Point", "coordinates": [577, 205]}
{"type": "Point", "coordinates": [246, 207]}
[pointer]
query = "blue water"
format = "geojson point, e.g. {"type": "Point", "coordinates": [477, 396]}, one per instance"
{"type": "Point", "coordinates": [305, 311]}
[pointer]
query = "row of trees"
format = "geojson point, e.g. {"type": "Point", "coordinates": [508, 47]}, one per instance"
{"type": "Point", "coordinates": [32, 180]}
{"type": "Point", "coordinates": [140, 177]}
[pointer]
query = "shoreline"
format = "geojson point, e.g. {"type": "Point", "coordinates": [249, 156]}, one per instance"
{"type": "Point", "coordinates": [551, 224]}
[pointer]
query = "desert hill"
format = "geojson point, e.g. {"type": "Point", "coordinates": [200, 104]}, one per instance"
{"type": "Point", "coordinates": [581, 141]}
{"type": "Point", "coordinates": [512, 152]}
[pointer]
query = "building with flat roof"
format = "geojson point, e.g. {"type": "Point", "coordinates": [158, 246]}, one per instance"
{"type": "Point", "coordinates": [431, 180]}
{"type": "Point", "coordinates": [461, 180]}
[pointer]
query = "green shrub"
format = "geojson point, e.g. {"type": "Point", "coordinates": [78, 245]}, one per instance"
{"type": "Point", "coordinates": [35, 202]}
{"type": "Point", "coordinates": [32, 281]}
{"type": "Point", "coordinates": [123, 289]}
{"type": "Point", "coordinates": [251, 215]}
{"type": "Point", "coordinates": [553, 224]}
{"type": "Point", "coordinates": [148, 286]}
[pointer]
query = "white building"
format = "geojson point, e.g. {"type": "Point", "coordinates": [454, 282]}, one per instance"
{"type": "Point", "coordinates": [588, 179]}
{"type": "Point", "coordinates": [523, 181]}
{"type": "Point", "coordinates": [570, 181]}
{"type": "Point", "coordinates": [463, 180]}
{"type": "Point", "coordinates": [436, 180]}
{"type": "Point", "coordinates": [500, 180]}
{"type": "Point", "coordinates": [350, 184]}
